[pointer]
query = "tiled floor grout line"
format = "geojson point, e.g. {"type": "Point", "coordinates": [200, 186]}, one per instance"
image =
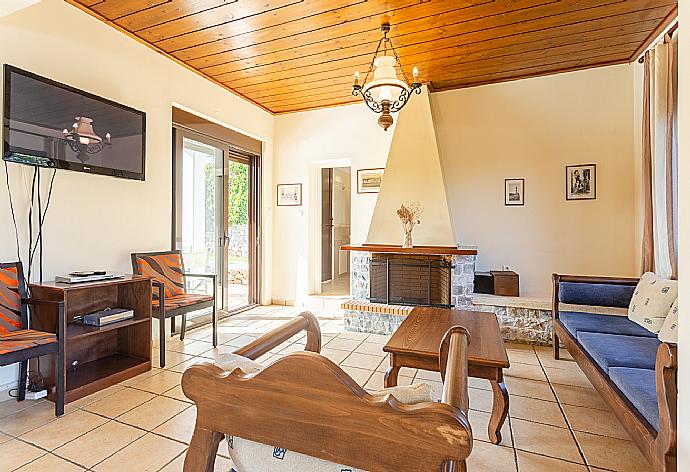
{"type": "Point", "coordinates": [52, 453]}
{"type": "Point", "coordinates": [560, 407]}
{"type": "Point", "coordinates": [172, 460]}
{"type": "Point", "coordinates": [512, 441]}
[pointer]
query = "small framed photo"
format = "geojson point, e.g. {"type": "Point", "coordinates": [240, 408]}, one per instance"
{"type": "Point", "coordinates": [289, 194]}
{"type": "Point", "coordinates": [369, 180]}
{"type": "Point", "coordinates": [581, 182]}
{"type": "Point", "coordinates": [515, 192]}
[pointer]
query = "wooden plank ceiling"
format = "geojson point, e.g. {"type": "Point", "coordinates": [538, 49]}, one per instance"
{"type": "Point", "coordinates": [291, 55]}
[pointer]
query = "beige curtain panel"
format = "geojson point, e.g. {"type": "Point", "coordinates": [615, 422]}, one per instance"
{"type": "Point", "coordinates": [660, 158]}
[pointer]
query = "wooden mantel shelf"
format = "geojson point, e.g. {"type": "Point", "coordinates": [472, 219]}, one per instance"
{"type": "Point", "coordinates": [419, 250]}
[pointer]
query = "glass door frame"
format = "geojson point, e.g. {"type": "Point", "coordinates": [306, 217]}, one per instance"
{"type": "Point", "coordinates": [253, 161]}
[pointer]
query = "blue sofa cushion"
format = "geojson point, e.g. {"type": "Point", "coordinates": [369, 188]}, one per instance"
{"type": "Point", "coordinates": [639, 386]}
{"type": "Point", "coordinates": [613, 350]}
{"type": "Point", "coordinates": [595, 294]}
{"type": "Point", "coordinates": [576, 322]}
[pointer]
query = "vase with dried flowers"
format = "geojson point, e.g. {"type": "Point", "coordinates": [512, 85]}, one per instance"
{"type": "Point", "coordinates": [409, 214]}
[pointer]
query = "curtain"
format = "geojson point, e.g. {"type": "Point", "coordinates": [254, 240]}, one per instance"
{"type": "Point", "coordinates": [660, 158]}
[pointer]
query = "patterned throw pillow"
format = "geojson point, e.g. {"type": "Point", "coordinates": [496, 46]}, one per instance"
{"type": "Point", "coordinates": [669, 331]}
{"type": "Point", "coordinates": [651, 301]}
{"type": "Point", "coordinates": [251, 456]}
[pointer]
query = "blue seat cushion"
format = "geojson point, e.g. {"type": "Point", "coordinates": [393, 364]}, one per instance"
{"type": "Point", "coordinates": [576, 322]}
{"type": "Point", "coordinates": [639, 386]}
{"type": "Point", "coordinates": [580, 293]}
{"type": "Point", "coordinates": [613, 350]}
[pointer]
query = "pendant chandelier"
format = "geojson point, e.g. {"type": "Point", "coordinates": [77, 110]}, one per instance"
{"type": "Point", "coordinates": [386, 93]}
{"type": "Point", "coordinates": [83, 140]}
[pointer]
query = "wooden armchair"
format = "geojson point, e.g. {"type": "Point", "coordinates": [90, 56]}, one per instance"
{"type": "Point", "coordinates": [19, 343]}
{"type": "Point", "coordinates": [307, 404]}
{"type": "Point", "coordinates": [170, 296]}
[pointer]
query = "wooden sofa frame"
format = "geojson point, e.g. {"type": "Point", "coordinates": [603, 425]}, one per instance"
{"type": "Point", "coordinates": [307, 404]}
{"type": "Point", "coordinates": [659, 448]}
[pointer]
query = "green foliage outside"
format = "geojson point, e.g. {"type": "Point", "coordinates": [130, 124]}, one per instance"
{"type": "Point", "coordinates": [237, 194]}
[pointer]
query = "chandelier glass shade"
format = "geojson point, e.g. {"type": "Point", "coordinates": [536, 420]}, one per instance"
{"type": "Point", "coordinates": [83, 140]}
{"type": "Point", "coordinates": [386, 93]}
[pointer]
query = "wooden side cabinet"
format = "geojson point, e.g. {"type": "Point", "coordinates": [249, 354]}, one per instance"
{"type": "Point", "coordinates": [506, 283]}
{"type": "Point", "coordinates": [97, 357]}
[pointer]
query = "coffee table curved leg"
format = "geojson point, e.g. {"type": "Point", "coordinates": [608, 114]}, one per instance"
{"type": "Point", "coordinates": [499, 411]}
{"type": "Point", "coordinates": [391, 377]}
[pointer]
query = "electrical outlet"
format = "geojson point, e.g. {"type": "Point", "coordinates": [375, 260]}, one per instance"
{"type": "Point", "coordinates": [36, 395]}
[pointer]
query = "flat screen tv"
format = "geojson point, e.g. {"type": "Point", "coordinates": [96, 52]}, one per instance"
{"type": "Point", "coordinates": [50, 124]}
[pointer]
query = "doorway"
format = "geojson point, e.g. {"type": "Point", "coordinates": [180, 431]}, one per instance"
{"type": "Point", "coordinates": [216, 217]}
{"type": "Point", "coordinates": [335, 230]}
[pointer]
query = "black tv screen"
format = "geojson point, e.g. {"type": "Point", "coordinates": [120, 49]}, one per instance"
{"type": "Point", "coordinates": [50, 124]}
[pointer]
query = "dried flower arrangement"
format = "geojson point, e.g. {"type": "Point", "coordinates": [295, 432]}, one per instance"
{"type": "Point", "coordinates": [409, 214]}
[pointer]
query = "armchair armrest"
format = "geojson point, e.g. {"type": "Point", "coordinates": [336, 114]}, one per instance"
{"type": "Point", "coordinates": [204, 276]}
{"type": "Point", "coordinates": [305, 321]}
{"type": "Point", "coordinates": [211, 277]}
{"type": "Point", "coordinates": [667, 397]}
{"type": "Point", "coordinates": [454, 369]}
{"type": "Point", "coordinates": [60, 310]}
{"type": "Point", "coordinates": [161, 293]}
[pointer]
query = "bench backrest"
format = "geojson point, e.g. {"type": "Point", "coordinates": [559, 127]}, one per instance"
{"type": "Point", "coordinates": [595, 294]}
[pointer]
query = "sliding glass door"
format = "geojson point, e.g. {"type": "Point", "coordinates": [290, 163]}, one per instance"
{"type": "Point", "coordinates": [216, 217]}
{"type": "Point", "coordinates": [237, 233]}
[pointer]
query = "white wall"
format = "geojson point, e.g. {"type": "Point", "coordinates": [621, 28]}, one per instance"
{"type": "Point", "coordinates": [526, 129]}
{"type": "Point", "coordinates": [96, 221]}
{"type": "Point", "coordinates": [303, 141]}
{"type": "Point", "coordinates": [533, 129]}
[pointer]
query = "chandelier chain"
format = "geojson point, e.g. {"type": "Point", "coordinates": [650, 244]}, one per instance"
{"type": "Point", "coordinates": [371, 65]}
{"type": "Point", "coordinates": [397, 61]}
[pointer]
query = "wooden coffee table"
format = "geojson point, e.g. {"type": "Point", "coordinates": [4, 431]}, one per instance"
{"type": "Point", "coordinates": [417, 341]}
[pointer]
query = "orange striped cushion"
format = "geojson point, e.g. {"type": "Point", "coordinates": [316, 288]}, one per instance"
{"type": "Point", "coordinates": [166, 269]}
{"type": "Point", "coordinates": [187, 299]}
{"type": "Point", "coordinates": [24, 339]}
{"type": "Point", "coordinates": [10, 310]}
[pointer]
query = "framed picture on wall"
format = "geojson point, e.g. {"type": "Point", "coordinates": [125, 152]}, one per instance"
{"type": "Point", "coordinates": [515, 192]}
{"type": "Point", "coordinates": [581, 182]}
{"type": "Point", "coordinates": [369, 180]}
{"type": "Point", "coordinates": [289, 194]}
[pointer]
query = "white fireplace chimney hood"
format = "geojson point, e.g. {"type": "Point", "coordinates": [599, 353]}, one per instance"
{"type": "Point", "coordinates": [413, 173]}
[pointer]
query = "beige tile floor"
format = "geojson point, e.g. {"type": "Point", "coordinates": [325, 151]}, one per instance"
{"type": "Point", "coordinates": [557, 422]}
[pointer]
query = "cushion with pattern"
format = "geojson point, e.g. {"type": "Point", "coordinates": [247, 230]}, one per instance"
{"type": "Point", "coordinates": [652, 300]}
{"type": "Point", "coordinates": [10, 309]}
{"type": "Point", "coordinates": [166, 269]}
{"type": "Point", "coordinates": [669, 330]}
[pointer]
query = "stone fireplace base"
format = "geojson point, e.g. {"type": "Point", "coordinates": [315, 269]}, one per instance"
{"type": "Point", "coordinates": [364, 316]}
{"type": "Point", "coordinates": [521, 319]}
{"type": "Point", "coordinates": [461, 287]}
{"type": "Point", "coordinates": [374, 318]}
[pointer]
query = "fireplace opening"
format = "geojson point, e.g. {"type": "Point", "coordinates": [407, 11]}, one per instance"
{"type": "Point", "coordinates": [405, 279]}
